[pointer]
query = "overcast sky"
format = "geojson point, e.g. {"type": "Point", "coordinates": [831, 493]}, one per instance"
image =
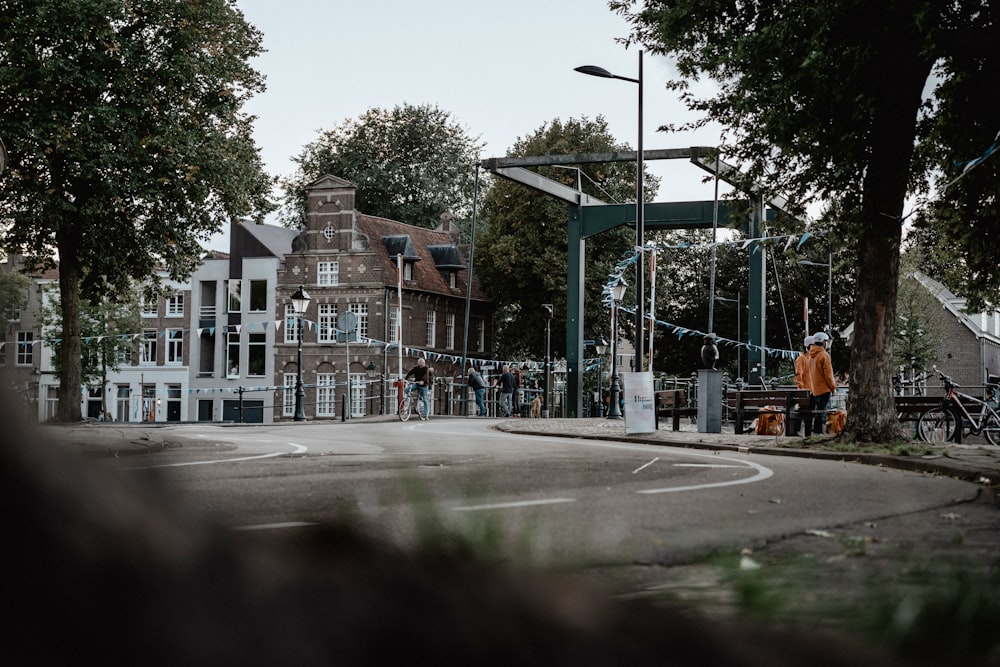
{"type": "Point", "coordinates": [501, 69]}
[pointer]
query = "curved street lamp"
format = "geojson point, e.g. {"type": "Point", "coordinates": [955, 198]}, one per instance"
{"type": "Point", "coordinates": [300, 302]}
{"type": "Point", "coordinates": [640, 311]}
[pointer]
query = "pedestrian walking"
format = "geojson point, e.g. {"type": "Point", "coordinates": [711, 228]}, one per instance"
{"type": "Point", "coordinates": [506, 382]}
{"type": "Point", "coordinates": [821, 380]}
{"type": "Point", "coordinates": [802, 381]}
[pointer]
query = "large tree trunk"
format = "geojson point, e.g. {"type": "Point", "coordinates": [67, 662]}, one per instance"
{"type": "Point", "coordinates": [70, 373]}
{"type": "Point", "coordinates": [899, 75]}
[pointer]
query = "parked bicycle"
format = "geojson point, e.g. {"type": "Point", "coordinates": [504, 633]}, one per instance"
{"type": "Point", "coordinates": [412, 403]}
{"type": "Point", "coordinates": [942, 424]}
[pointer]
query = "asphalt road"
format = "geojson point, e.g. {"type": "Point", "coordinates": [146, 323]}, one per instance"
{"type": "Point", "coordinates": [535, 499]}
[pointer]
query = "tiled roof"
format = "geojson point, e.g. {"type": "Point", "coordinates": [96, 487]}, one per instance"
{"type": "Point", "coordinates": [427, 276]}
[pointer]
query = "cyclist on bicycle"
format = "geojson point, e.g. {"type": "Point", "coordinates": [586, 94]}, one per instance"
{"type": "Point", "coordinates": [420, 376]}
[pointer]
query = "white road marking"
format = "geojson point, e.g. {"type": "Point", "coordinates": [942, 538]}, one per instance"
{"type": "Point", "coordinates": [707, 465]}
{"type": "Point", "coordinates": [298, 449]}
{"type": "Point", "coordinates": [523, 503]}
{"type": "Point", "coordinates": [645, 465]}
{"type": "Point", "coordinates": [276, 526]}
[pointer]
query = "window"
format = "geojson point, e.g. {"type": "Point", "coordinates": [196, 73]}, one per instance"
{"type": "Point", "coordinates": [256, 354]}
{"type": "Point", "coordinates": [147, 307]}
{"type": "Point", "coordinates": [291, 324]}
{"type": "Point", "coordinates": [25, 348]}
{"type": "Point", "coordinates": [394, 325]}
{"type": "Point", "coordinates": [258, 296]}
{"type": "Point", "coordinates": [326, 395]}
{"type": "Point", "coordinates": [288, 396]}
{"type": "Point", "coordinates": [453, 279]}
{"type": "Point", "coordinates": [147, 349]}
{"type": "Point", "coordinates": [175, 305]}
{"type": "Point", "coordinates": [431, 326]}
{"type": "Point", "coordinates": [449, 331]}
{"type": "Point", "coordinates": [327, 322]}
{"type": "Point", "coordinates": [408, 271]}
{"type": "Point", "coordinates": [328, 273]}
{"type": "Point", "coordinates": [175, 346]}
{"type": "Point", "coordinates": [481, 336]}
{"type": "Point", "coordinates": [234, 287]}
{"type": "Point", "coordinates": [361, 311]}
{"type": "Point", "coordinates": [233, 354]}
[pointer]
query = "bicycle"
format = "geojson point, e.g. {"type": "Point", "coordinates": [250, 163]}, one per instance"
{"type": "Point", "coordinates": [940, 424]}
{"type": "Point", "coordinates": [408, 404]}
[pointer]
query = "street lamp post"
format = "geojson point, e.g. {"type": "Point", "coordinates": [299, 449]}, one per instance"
{"type": "Point", "coordinates": [739, 331]}
{"type": "Point", "coordinates": [617, 292]}
{"type": "Point", "coordinates": [640, 311]}
{"type": "Point", "coordinates": [600, 346]}
{"type": "Point", "coordinates": [300, 301]}
{"type": "Point", "coordinates": [829, 288]}
{"type": "Point", "coordinates": [371, 370]}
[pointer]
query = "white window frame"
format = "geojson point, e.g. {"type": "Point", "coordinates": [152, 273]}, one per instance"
{"type": "Point", "coordinates": [326, 322]}
{"type": "Point", "coordinates": [288, 395]}
{"type": "Point", "coordinates": [234, 296]}
{"type": "Point", "coordinates": [175, 347]}
{"type": "Point", "coordinates": [174, 305]}
{"type": "Point", "coordinates": [394, 325]}
{"type": "Point", "coordinates": [144, 308]}
{"type": "Point", "coordinates": [25, 348]}
{"type": "Point", "coordinates": [328, 274]}
{"type": "Point", "coordinates": [360, 310]}
{"type": "Point", "coordinates": [326, 395]}
{"type": "Point", "coordinates": [431, 328]}
{"type": "Point", "coordinates": [233, 343]}
{"type": "Point", "coordinates": [449, 331]}
{"type": "Point", "coordinates": [258, 288]}
{"type": "Point", "coordinates": [291, 324]}
{"type": "Point", "coordinates": [147, 347]}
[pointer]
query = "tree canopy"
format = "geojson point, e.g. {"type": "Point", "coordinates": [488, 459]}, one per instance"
{"type": "Point", "coordinates": [523, 251]}
{"type": "Point", "coordinates": [411, 164]}
{"type": "Point", "coordinates": [830, 100]}
{"type": "Point", "coordinates": [127, 142]}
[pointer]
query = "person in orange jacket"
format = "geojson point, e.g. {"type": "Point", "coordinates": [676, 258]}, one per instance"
{"type": "Point", "coordinates": [822, 383]}
{"type": "Point", "coordinates": [802, 381]}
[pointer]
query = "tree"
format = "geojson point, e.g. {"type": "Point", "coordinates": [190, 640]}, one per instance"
{"type": "Point", "coordinates": [411, 164]}
{"type": "Point", "coordinates": [13, 294]}
{"type": "Point", "coordinates": [107, 330]}
{"type": "Point", "coordinates": [522, 254]}
{"type": "Point", "coordinates": [127, 144]}
{"type": "Point", "coordinates": [827, 100]}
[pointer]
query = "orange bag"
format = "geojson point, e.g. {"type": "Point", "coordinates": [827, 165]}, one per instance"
{"type": "Point", "coordinates": [835, 420]}
{"type": "Point", "coordinates": [770, 423]}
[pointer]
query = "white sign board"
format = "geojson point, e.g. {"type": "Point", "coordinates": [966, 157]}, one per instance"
{"type": "Point", "coordinates": [640, 404]}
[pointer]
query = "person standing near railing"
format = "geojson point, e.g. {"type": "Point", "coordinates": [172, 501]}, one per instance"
{"type": "Point", "coordinates": [507, 383]}
{"type": "Point", "coordinates": [478, 385]}
{"type": "Point", "coordinates": [802, 381]}
{"type": "Point", "coordinates": [822, 383]}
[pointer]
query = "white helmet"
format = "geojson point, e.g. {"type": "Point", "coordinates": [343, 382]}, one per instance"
{"type": "Point", "coordinates": [820, 337]}
{"type": "Point", "coordinates": [808, 341]}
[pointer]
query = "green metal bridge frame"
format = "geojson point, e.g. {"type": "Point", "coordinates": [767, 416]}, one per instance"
{"type": "Point", "coordinates": [589, 216]}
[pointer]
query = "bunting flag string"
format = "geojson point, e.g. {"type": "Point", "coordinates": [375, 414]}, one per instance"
{"type": "Point", "coordinates": [969, 165]}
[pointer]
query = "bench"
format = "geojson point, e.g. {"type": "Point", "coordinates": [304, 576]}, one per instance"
{"type": "Point", "coordinates": [749, 403]}
{"type": "Point", "coordinates": [673, 403]}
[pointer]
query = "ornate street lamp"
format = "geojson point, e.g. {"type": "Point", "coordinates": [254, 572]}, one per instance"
{"type": "Point", "coordinates": [371, 370]}
{"type": "Point", "coordinates": [600, 346]}
{"type": "Point", "coordinates": [617, 292]}
{"type": "Point", "coordinates": [300, 302]}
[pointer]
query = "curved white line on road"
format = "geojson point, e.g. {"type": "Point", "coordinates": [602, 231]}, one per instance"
{"type": "Point", "coordinates": [762, 472]}
{"type": "Point", "coordinates": [522, 503]}
{"type": "Point", "coordinates": [297, 449]}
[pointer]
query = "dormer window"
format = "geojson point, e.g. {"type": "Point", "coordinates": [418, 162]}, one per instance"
{"type": "Point", "coordinates": [408, 271]}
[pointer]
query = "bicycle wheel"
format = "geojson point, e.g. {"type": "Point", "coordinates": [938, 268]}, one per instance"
{"type": "Point", "coordinates": [405, 409]}
{"type": "Point", "coordinates": [937, 425]}
{"type": "Point", "coordinates": [991, 429]}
